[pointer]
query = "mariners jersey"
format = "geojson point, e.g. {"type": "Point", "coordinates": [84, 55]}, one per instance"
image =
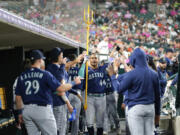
{"type": "Point", "coordinates": [67, 80]}
{"type": "Point", "coordinates": [96, 79]}
{"type": "Point", "coordinates": [109, 87]}
{"type": "Point", "coordinates": [35, 86]}
{"type": "Point", "coordinates": [58, 72]}
{"type": "Point", "coordinates": [73, 72]}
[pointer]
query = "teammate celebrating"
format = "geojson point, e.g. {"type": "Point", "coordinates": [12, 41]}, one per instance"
{"type": "Point", "coordinates": [142, 83]}
{"type": "Point", "coordinates": [34, 88]}
{"type": "Point", "coordinates": [57, 68]}
{"type": "Point", "coordinates": [96, 98]}
{"type": "Point", "coordinates": [112, 116]}
{"type": "Point", "coordinates": [75, 101]}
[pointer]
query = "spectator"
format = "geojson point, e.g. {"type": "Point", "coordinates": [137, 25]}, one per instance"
{"type": "Point", "coordinates": [103, 47]}
{"type": "Point", "coordinates": [36, 2]}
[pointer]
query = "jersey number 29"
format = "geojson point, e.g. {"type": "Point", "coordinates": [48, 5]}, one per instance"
{"type": "Point", "coordinates": [32, 86]}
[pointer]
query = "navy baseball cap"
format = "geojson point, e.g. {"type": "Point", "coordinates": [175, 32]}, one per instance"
{"type": "Point", "coordinates": [55, 52]}
{"type": "Point", "coordinates": [36, 54]}
{"type": "Point", "coordinates": [162, 60]}
{"type": "Point", "coordinates": [169, 50]}
{"type": "Point", "coordinates": [149, 58]}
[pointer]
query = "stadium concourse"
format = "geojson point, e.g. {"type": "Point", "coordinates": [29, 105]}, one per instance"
{"type": "Point", "coordinates": [131, 86]}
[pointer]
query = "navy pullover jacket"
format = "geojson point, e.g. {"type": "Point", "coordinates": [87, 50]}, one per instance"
{"type": "Point", "coordinates": [142, 83]}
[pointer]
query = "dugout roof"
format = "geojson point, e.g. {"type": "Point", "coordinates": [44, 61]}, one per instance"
{"type": "Point", "coordinates": [16, 31]}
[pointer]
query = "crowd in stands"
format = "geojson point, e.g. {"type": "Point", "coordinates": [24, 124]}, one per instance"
{"type": "Point", "coordinates": [120, 23]}
{"type": "Point", "coordinates": [124, 24]}
{"type": "Point", "coordinates": [64, 17]}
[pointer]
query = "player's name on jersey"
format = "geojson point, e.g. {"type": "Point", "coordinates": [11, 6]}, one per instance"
{"type": "Point", "coordinates": [94, 75]}
{"type": "Point", "coordinates": [31, 75]}
{"type": "Point", "coordinates": [73, 72]}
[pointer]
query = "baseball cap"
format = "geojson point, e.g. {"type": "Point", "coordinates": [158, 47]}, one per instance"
{"type": "Point", "coordinates": [36, 54]}
{"type": "Point", "coordinates": [162, 60]}
{"type": "Point", "coordinates": [149, 58]}
{"type": "Point", "coordinates": [55, 52]}
{"type": "Point", "coordinates": [169, 50]}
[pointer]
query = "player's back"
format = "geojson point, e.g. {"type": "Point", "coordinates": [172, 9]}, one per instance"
{"type": "Point", "coordinates": [34, 86]}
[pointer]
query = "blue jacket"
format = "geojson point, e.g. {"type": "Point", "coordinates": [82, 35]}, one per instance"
{"type": "Point", "coordinates": [162, 80]}
{"type": "Point", "coordinates": [142, 82]}
{"type": "Point", "coordinates": [125, 100]}
{"type": "Point", "coordinates": [125, 94]}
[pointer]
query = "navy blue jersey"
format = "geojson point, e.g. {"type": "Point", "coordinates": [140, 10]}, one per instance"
{"type": "Point", "coordinates": [73, 72]}
{"type": "Point", "coordinates": [35, 86]}
{"type": "Point", "coordinates": [109, 87]}
{"type": "Point", "coordinates": [67, 80]}
{"type": "Point", "coordinates": [58, 72]}
{"type": "Point", "coordinates": [96, 79]}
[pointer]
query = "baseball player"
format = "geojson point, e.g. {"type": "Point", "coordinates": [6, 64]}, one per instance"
{"type": "Point", "coordinates": [34, 88]}
{"type": "Point", "coordinates": [20, 126]}
{"type": "Point", "coordinates": [111, 106]}
{"type": "Point", "coordinates": [57, 68]}
{"type": "Point", "coordinates": [96, 97]}
{"type": "Point", "coordinates": [142, 84]}
{"type": "Point", "coordinates": [76, 102]}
